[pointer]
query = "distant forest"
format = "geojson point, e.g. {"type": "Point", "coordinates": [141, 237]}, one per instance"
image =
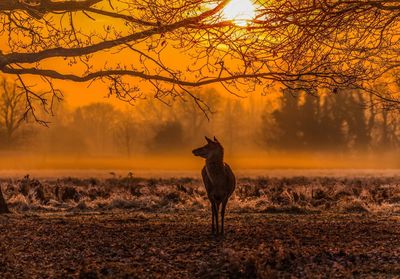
{"type": "Point", "coordinates": [340, 122]}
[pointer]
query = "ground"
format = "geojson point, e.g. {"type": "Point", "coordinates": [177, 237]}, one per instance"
{"type": "Point", "coordinates": [170, 245]}
{"type": "Point", "coordinates": [129, 227]}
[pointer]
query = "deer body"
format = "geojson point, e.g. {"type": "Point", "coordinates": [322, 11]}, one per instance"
{"type": "Point", "coordinates": [218, 179]}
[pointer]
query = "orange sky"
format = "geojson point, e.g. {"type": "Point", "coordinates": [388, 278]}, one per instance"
{"type": "Point", "coordinates": [79, 93]}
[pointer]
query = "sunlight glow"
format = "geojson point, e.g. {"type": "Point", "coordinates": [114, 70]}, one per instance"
{"type": "Point", "coordinates": [239, 11]}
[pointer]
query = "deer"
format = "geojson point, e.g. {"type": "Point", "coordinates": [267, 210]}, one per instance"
{"type": "Point", "coordinates": [218, 179]}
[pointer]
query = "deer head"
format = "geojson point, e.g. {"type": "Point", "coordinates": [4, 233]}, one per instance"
{"type": "Point", "coordinates": [213, 149]}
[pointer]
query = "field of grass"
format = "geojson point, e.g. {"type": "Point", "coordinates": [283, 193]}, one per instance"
{"type": "Point", "coordinates": [285, 194]}
{"type": "Point", "coordinates": [128, 227]}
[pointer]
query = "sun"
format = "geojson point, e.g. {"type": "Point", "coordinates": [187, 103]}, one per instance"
{"type": "Point", "coordinates": [239, 11]}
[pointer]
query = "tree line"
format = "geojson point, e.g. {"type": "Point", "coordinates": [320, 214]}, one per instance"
{"type": "Point", "coordinates": [341, 121]}
{"type": "Point", "coordinates": [292, 121]}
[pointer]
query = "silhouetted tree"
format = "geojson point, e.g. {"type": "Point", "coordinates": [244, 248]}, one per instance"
{"type": "Point", "coordinates": [232, 124]}
{"type": "Point", "coordinates": [12, 109]}
{"type": "Point", "coordinates": [126, 131]}
{"type": "Point", "coordinates": [387, 132]}
{"type": "Point", "coordinates": [333, 115]}
{"type": "Point", "coordinates": [316, 43]}
{"type": "Point", "coordinates": [97, 123]}
{"type": "Point", "coordinates": [310, 122]}
{"type": "Point", "coordinates": [169, 137]}
{"type": "Point", "coordinates": [192, 119]}
{"type": "Point", "coordinates": [383, 122]}
{"type": "Point", "coordinates": [307, 121]}
{"type": "Point", "coordinates": [357, 121]}
{"type": "Point", "coordinates": [287, 120]}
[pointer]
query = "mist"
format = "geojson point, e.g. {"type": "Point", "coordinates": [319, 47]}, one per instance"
{"type": "Point", "coordinates": [286, 129]}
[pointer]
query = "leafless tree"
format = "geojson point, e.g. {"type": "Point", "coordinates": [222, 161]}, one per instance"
{"type": "Point", "coordinates": [298, 43]}
{"type": "Point", "coordinates": [126, 131]}
{"type": "Point", "coordinates": [355, 40]}
{"type": "Point", "coordinates": [12, 109]}
{"type": "Point", "coordinates": [97, 121]}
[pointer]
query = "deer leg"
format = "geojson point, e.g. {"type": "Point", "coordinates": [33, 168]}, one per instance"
{"type": "Point", "coordinates": [223, 215]}
{"type": "Point", "coordinates": [216, 216]}
{"type": "Point", "coordinates": [213, 218]}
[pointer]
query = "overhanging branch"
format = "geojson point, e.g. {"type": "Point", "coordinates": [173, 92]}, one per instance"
{"type": "Point", "coordinates": [6, 59]}
{"type": "Point", "coordinates": [275, 76]}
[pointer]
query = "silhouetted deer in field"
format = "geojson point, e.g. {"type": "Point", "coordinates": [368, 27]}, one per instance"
{"type": "Point", "coordinates": [218, 179]}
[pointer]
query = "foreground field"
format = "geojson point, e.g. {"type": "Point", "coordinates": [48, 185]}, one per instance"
{"type": "Point", "coordinates": [148, 245]}
{"type": "Point", "coordinates": [130, 227]}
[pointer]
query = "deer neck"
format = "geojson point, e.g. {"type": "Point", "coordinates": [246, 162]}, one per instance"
{"type": "Point", "coordinates": [215, 169]}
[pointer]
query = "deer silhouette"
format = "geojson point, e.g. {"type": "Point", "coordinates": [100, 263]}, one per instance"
{"type": "Point", "coordinates": [218, 179]}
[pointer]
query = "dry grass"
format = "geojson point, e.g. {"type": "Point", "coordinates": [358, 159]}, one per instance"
{"type": "Point", "coordinates": [296, 195]}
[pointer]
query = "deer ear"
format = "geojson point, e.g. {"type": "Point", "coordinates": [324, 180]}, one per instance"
{"type": "Point", "coordinates": [215, 139]}
{"type": "Point", "coordinates": [208, 140]}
